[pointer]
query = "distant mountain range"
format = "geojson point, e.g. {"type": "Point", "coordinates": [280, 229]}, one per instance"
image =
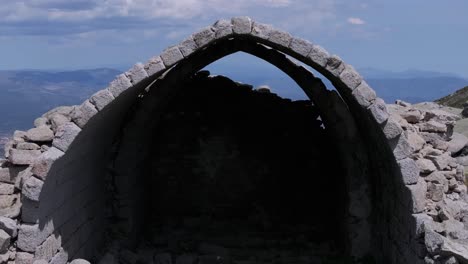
{"type": "Point", "coordinates": [27, 94]}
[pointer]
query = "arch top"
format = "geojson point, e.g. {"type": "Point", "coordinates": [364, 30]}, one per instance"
{"type": "Point", "coordinates": [349, 83]}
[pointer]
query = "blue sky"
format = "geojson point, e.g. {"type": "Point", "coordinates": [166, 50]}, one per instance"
{"type": "Point", "coordinates": [392, 35]}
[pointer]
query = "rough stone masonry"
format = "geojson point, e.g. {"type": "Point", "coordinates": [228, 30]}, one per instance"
{"type": "Point", "coordinates": [406, 192]}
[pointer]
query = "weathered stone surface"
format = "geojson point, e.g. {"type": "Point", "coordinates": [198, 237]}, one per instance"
{"type": "Point", "coordinates": [392, 128]}
{"type": "Point", "coordinates": [49, 248]}
{"type": "Point", "coordinates": [40, 134]}
{"type": "Point", "coordinates": [241, 25]}
{"type": "Point", "coordinates": [155, 65]}
{"type": "Point", "coordinates": [319, 55]}
{"type": "Point", "coordinates": [188, 46]}
{"type": "Point", "coordinates": [335, 65]}
{"type": "Point", "coordinates": [435, 191]}
{"type": "Point", "coordinates": [433, 126]}
{"type": "Point", "coordinates": [10, 205]}
{"type": "Point", "coordinates": [364, 94]}
{"type": "Point", "coordinates": [280, 37]}
{"type": "Point", "coordinates": [261, 30]}
{"type": "Point", "coordinates": [44, 162]}
{"type": "Point", "coordinates": [350, 77]}
{"type": "Point", "coordinates": [415, 140]}
{"type": "Point", "coordinates": [23, 157]}
{"type": "Point", "coordinates": [425, 165]}
{"type": "Point", "coordinates": [409, 170]}
{"type": "Point", "coordinates": [457, 143]}
{"type": "Point", "coordinates": [61, 258]}
{"type": "Point", "coordinates": [27, 146]}
{"type": "Point", "coordinates": [83, 113]}
{"type": "Point", "coordinates": [137, 73]}
{"type": "Point", "coordinates": [100, 99]}
{"type": "Point", "coordinates": [441, 161]}
{"type": "Point", "coordinates": [10, 174]}
{"type": "Point", "coordinates": [6, 188]}
{"type": "Point", "coordinates": [41, 121]}
{"type": "Point", "coordinates": [65, 136]}
{"type": "Point", "coordinates": [204, 36]}
{"type": "Point", "coordinates": [413, 116]}
{"type": "Point", "coordinates": [119, 85]}
{"type": "Point", "coordinates": [401, 147]}
{"type": "Point", "coordinates": [63, 110]}
{"type": "Point", "coordinates": [32, 188]}
{"type": "Point", "coordinates": [31, 236]}
{"type": "Point", "coordinates": [301, 46]}
{"type": "Point", "coordinates": [4, 241]}
{"type": "Point", "coordinates": [379, 111]}
{"type": "Point", "coordinates": [418, 196]}
{"type": "Point", "coordinates": [24, 258]}
{"type": "Point", "coordinates": [171, 56]}
{"type": "Point", "coordinates": [40, 261]}
{"type": "Point", "coordinates": [9, 225]}
{"type": "Point", "coordinates": [57, 120]}
{"type": "Point", "coordinates": [222, 28]}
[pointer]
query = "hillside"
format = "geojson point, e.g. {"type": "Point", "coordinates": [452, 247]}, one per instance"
{"type": "Point", "coordinates": [456, 99]}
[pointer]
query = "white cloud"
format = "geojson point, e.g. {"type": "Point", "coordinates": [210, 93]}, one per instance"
{"type": "Point", "coordinates": [356, 21]}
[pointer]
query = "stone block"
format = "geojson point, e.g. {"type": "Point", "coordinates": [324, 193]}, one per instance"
{"type": "Point", "coordinates": [60, 258]}
{"type": "Point", "coordinates": [40, 134]}
{"type": "Point", "coordinates": [24, 258]}
{"type": "Point", "coordinates": [222, 28]}
{"type": "Point", "coordinates": [23, 157]}
{"type": "Point", "coordinates": [301, 46]}
{"type": "Point", "coordinates": [10, 205]}
{"type": "Point", "coordinates": [409, 170]}
{"type": "Point", "coordinates": [392, 128]}
{"type": "Point", "coordinates": [335, 65]}
{"type": "Point", "coordinates": [119, 85]}
{"type": "Point", "coordinates": [261, 30]}
{"type": "Point", "coordinates": [188, 46]}
{"type": "Point", "coordinates": [364, 94]}
{"type": "Point", "coordinates": [241, 25]}
{"type": "Point", "coordinates": [45, 161]}
{"type": "Point", "coordinates": [101, 99]}
{"type": "Point", "coordinates": [378, 109]}
{"type": "Point", "coordinates": [4, 241]}
{"type": "Point", "coordinates": [204, 37]}
{"type": "Point", "coordinates": [65, 136]}
{"type": "Point", "coordinates": [171, 56]}
{"type": "Point", "coordinates": [137, 73]}
{"type": "Point", "coordinates": [83, 113]}
{"type": "Point", "coordinates": [154, 66]}
{"type": "Point", "coordinates": [9, 226]}
{"type": "Point", "coordinates": [417, 196]}
{"type": "Point", "coordinates": [49, 248]}
{"type": "Point", "coordinates": [32, 188]}
{"type": "Point", "coordinates": [350, 77]}
{"type": "Point", "coordinates": [32, 236]}
{"type": "Point", "coordinates": [319, 55]}
{"type": "Point", "coordinates": [57, 120]}
{"type": "Point", "coordinates": [27, 146]}
{"type": "Point", "coordinates": [280, 38]}
{"type": "Point", "coordinates": [41, 121]}
{"type": "Point", "coordinates": [6, 188]}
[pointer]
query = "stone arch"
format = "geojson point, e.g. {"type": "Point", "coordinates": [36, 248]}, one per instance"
{"type": "Point", "coordinates": [63, 189]}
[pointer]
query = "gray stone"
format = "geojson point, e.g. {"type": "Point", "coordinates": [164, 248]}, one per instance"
{"type": "Point", "coordinates": [301, 46]}
{"type": "Point", "coordinates": [23, 157]}
{"type": "Point", "coordinates": [4, 241]}
{"type": "Point", "coordinates": [6, 188]}
{"type": "Point", "coordinates": [457, 143]}
{"type": "Point", "coordinates": [261, 30]}
{"type": "Point", "coordinates": [378, 109]}
{"type": "Point", "coordinates": [45, 161]}
{"type": "Point", "coordinates": [137, 73]}
{"type": "Point", "coordinates": [19, 136]}
{"type": "Point", "coordinates": [171, 56]}
{"type": "Point", "coordinates": [65, 136]}
{"type": "Point", "coordinates": [435, 191]}
{"type": "Point", "coordinates": [204, 37]}
{"type": "Point", "coordinates": [222, 28]}
{"type": "Point", "coordinates": [41, 121]}
{"type": "Point", "coordinates": [441, 161]}
{"type": "Point", "coordinates": [392, 128]}
{"type": "Point", "coordinates": [412, 116]}
{"type": "Point", "coordinates": [63, 110]}
{"type": "Point", "coordinates": [319, 55]}
{"type": "Point", "coordinates": [40, 261]}
{"type": "Point", "coordinates": [433, 126]}
{"type": "Point", "coordinates": [83, 113]}
{"type": "Point", "coordinates": [49, 248]}
{"type": "Point", "coordinates": [9, 225]}
{"type": "Point", "coordinates": [415, 140]}
{"type": "Point", "coordinates": [280, 38]}
{"type": "Point", "coordinates": [350, 77]}
{"type": "Point", "coordinates": [433, 242]}
{"type": "Point", "coordinates": [40, 134]}
{"type": "Point", "coordinates": [335, 65]}
{"type": "Point", "coordinates": [32, 236]}
{"type": "Point", "coordinates": [154, 66]}
{"type": "Point", "coordinates": [10, 205]}
{"type": "Point", "coordinates": [27, 146]}
{"type": "Point", "coordinates": [61, 258]}
{"type": "Point", "coordinates": [10, 174]}
{"type": "Point", "coordinates": [401, 147]}
{"type": "Point", "coordinates": [364, 94]}
{"type": "Point", "coordinates": [409, 170]}
{"type": "Point", "coordinates": [418, 196]}
{"type": "Point", "coordinates": [32, 188]}
{"type": "Point", "coordinates": [188, 46]}
{"type": "Point", "coordinates": [119, 85]}
{"type": "Point", "coordinates": [241, 25]}
{"type": "Point", "coordinates": [425, 165]}
{"type": "Point", "coordinates": [24, 258]}
{"type": "Point", "coordinates": [57, 120]}
{"type": "Point", "coordinates": [101, 99]}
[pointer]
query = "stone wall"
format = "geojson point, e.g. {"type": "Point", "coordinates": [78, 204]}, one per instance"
{"type": "Point", "coordinates": [54, 183]}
